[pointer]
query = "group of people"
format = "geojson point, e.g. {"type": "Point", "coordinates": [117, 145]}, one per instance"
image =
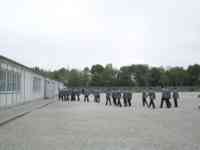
{"type": "Point", "coordinates": [74, 95]}
{"type": "Point", "coordinates": [117, 95]}
{"type": "Point", "coordinates": [69, 95]}
{"type": "Point", "coordinates": [166, 95]}
{"type": "Point", "coordinates": [120, 97]}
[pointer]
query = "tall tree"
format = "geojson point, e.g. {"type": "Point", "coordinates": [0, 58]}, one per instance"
{"type": "Point", "coordinates": [194, 72]}
{"type": "Point", "coordinates": [97, 79]}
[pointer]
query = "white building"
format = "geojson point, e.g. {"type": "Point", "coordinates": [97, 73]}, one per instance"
{"type": "Point", "coordinates": [19, 84]}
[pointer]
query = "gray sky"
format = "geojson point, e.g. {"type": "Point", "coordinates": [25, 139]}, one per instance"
{"type": "Point", "coordinates": [78, 33]}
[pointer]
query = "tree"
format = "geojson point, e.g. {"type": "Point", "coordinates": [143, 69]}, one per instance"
{"type": "Point", "coordinates": [154, 76]}
{"type": "Point", "coordinates": [74, 78]}
{"type": "Point", "coordinates": [85, 77]}
{"type": "Point", "coordinates": [140, 73]}
{"type": "Point", "coordinates": [97, 71]}
{"type": "Point", "coordinates": [133, 75]}
{"type": "Point", "coordinates": [178, 76]}
{"type": "Point", "coordinates": [109, 76]}
{"type": "Point", "coordinates": [194, 73]}
{"type": "Point", "coordinates": [125, 76]}
{"type": "Point", "coordinates": [164, 79]}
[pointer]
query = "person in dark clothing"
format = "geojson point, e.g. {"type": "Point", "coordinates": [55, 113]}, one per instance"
{"type": "Point", "coordinates": [166, 95]}
{"type": "Point", "coordinates": [86, 96]}
{"type": "Point", "coordinates": [78, 94]}
{"type": "Point", "coordinates": [152, 97]}
{"type": "Point", "coordinates": [98, 99]}
{"type": "Point", "coordinates": [114, 97]}
{"type": "Point", "coordinates": [119, 98]}
{"type": "Point", "coordinates": [73, 96]}
{"type": "Point", "coordinates": [129, 98]}
{"type": "Point", "coordinates": [125, 98]}
{"type": "Point", "coordinates": [60, 95]}
{"type": "Point", "coordinates": [144, 99]}
{"type": "Point", "coordinates": [108, 99]}
{"type": "Point", "coordinates": [96, 94]}
{"type": "Point", "coordinates": [67, 95]}
{"type": "Point", "coordinates": [175, 96]}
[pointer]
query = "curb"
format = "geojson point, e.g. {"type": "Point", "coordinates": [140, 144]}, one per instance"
{"type": "Point", "coordinates": [19, 115]}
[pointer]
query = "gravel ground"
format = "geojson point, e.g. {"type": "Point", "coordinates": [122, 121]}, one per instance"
{"type": "Point", "coordinates": [80, 126]}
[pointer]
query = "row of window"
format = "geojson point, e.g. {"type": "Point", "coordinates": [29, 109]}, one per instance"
{"type": "Point", "coordinates": [36, 84]}
{"type": "Point", "coordinates": [9, 80]}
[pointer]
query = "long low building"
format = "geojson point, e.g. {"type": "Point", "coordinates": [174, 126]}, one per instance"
{"type": "Point", "coordinates": [20, 84]}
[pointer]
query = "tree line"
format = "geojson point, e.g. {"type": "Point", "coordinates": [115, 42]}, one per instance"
{"type": "Point", "coordinates": [131, 75]}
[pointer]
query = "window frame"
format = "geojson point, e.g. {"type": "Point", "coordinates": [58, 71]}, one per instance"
{"type": "Point", "coordinates": [11, 77]}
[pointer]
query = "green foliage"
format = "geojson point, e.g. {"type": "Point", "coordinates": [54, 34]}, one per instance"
{"type": "Point", "coordinates": [133, 75]}
{"type": "Point", "coordinates": [194, 73]}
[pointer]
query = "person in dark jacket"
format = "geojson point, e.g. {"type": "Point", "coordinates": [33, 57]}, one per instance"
{"type": "Point", "coordinates": [86, 96]}
{"type": "Point", "coordinates": [175, 96]}
{"type": "Point", "coordinates": [144, 99]}
{"type": "Point", "coordinates": [166, 95]}
{"type": "Point", "coordinates": [114, 97]}
{"type": "Point", "coordinates": [125, 98]}
{"type": "Point", "coordinates": [152, 97]}
{"type": "Point", "coordinates": [119, 95]}
{"type": "Point", "coordinates": [129, 98]}
{"type": "Point", "coordinates": [73, 95]}
{"type": "Point", "coordinates": [78, 92]}
{"type": "Point", "coordinates": [108, 99]}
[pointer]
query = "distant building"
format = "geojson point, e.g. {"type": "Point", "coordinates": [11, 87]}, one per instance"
{"type": "Point", "coordinates": [19, 84]}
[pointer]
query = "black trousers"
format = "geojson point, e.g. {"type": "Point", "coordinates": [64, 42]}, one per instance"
{"type": "Point", "coordinates": [59, 97]}
{"type": "Point", "coordinates": [152, 104]}
{"type": "Point", "coordinates": [129, 102]}
{"type": "Point", "coordinates": [86, 99]}
{"type": "Point", "coordinates": [67, 97]}
{"type": "Point", "coordinates": [125, 102]}
{"type": "Point", "coordinates": [119, 102]}
{"type": "Point", "coordinates": [114, 101]}
{"type": "Point", "coordinates": [108, 100]}
{"type": "Point", "coordinates": [144, 102]}
{"type": "Point", "coordinates": [62, 98]}
{"type": "Point", "coordinates": [175, 102]}
{"type": "Point", "coordinates": [165, 100]}
{"type": "Point", "coordinates": [73, 98]}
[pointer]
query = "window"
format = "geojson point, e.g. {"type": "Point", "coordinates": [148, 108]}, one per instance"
{"type": "Point", "coordinates": [10, 81]}
{"type": "Point", "coordinates": [2, 80]}
{"type": "Point", "coordinates": [18, 81]}
{"type": "Point", "coordinates": [36, 84]}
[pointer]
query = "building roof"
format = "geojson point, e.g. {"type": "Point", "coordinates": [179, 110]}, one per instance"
{"type": "Point", "coordinates": [28, 68]}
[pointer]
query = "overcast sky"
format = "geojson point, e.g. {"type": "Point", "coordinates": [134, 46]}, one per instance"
{"type": "Point", "coordinates": [78, 33]}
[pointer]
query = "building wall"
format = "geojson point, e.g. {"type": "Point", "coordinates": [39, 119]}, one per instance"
{"type": "Point", "coordinates": [19, 84]}
{"type": "Point", "coordinates": [10, 94]}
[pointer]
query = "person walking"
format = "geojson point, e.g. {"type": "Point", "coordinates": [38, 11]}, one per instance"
{"type": "Point", "coordinates": [152, 97]}
{"type": "Point", "coordinates": [175, 96]}
{"type": "Point", "coordinates": [166, 95]}
{"type": "Point", "coordinates": [108, 99]}
{"type": "Point", "coordinates": [144, 99]}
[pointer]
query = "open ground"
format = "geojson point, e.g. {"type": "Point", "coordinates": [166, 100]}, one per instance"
{"type": "Point", "coordinates": [91, 126]}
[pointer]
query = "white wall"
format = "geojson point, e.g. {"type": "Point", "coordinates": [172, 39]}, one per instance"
{"type": "Point", "coordinates": [26, 92]}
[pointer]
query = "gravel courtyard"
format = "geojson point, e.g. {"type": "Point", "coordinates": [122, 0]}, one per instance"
{"type": "Point", "coordinates": [80, 126]}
